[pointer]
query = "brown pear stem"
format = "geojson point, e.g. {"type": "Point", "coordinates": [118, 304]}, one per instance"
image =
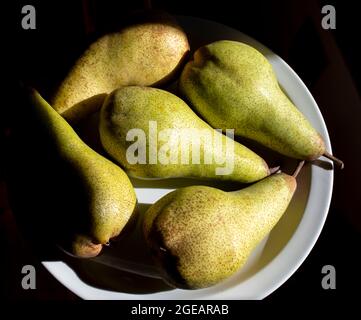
{"type": "Point", "coordinates": [274, 170]}
{"type": "Point", "coordinates": [298, 169]}
{"type": "Point", "coordinates": [334, 159]}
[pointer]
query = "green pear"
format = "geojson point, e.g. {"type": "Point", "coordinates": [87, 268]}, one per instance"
{"type": "Point", "coordinates": [179, 144]}
{"type": "Point", "coordinates": [105, 199]}
{"type": "Point", "coordinates": [143, 53]}
{"type": "Point", "coordinates": [199, 235]}
{"type": "Point", "coordinates": [232, 85]}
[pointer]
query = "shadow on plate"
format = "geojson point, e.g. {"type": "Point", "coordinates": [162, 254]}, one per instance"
{"type": "Point", "coordinates": [124, 266]}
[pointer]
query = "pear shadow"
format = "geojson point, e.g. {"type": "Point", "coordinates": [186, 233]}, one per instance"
{"type": "Point", "coordinates": [272, 158]}
{"type": "Point", "coordinates": [124, 266]}
{"type": "Point", "coordinates": [176, 183]}
{"type": "Point", "coordinates": [84, 108]}
{"type": "Point", "coordinates": [88, 131]}
{"type": "Point", "coordinates": [326, 165]}
{"type": "Point", "coordinates": [108, 278]}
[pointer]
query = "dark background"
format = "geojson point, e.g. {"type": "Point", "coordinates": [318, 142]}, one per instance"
{"type": "Point", "coordinates": [326, 60]}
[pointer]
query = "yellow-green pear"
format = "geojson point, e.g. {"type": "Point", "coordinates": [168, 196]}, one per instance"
{"type": "Point", "coordinates": [143, 53]}
{"type": "Point", "coordinates": [104, 198]}
{"type": "Point", "coordinates": [199, 235]}
{"type": "Point", "coordinates": [232, 85]}
{"type": "Point", "coordinates": [154, 134]}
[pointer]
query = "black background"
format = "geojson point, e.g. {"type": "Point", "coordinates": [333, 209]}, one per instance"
{"type": "Point", "coordinates": [326, 60]}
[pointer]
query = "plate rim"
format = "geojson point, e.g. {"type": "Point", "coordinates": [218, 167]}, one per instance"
{"type": "Point", "coordinates": [263, 274]}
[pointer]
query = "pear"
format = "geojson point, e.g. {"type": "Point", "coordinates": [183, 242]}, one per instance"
{"type": "Point", "coordinates": [104, 198]}
{"type": "Point", "coordinates": [143, 53]}
{"type": "Point", "coordinates": [199, 235]}
{"type": "Point", "coordinates": [179, 144]}
{"type": "Point", "coordinates": [232, 85]}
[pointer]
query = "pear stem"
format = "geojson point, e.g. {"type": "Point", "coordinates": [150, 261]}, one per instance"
{"type": "Point", "coordinates": [274, 170]}
{"type": "Point", "coordinates": [334, 159]}
{"type": "Point", "coordinates": [298, 169]}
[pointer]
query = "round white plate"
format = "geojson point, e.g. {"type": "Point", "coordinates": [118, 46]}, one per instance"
{"type": "Point", "coordinates": [273, 261]}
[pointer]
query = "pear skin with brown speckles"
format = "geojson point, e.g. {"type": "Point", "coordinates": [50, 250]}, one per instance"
{"type": "Point", "coordinates": [232, 85]}
{"type": "Point", "coordinates": [200, 235]}
{"type": "Point", "coordinates": [145, 53]}
{"type": "Point", "coordinates": [109, 199]}
{"type": "Point", "coordinates": [130, 114]}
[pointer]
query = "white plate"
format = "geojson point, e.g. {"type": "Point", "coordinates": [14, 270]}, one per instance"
{"type": "Point", "coordinates": [274, 260]}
